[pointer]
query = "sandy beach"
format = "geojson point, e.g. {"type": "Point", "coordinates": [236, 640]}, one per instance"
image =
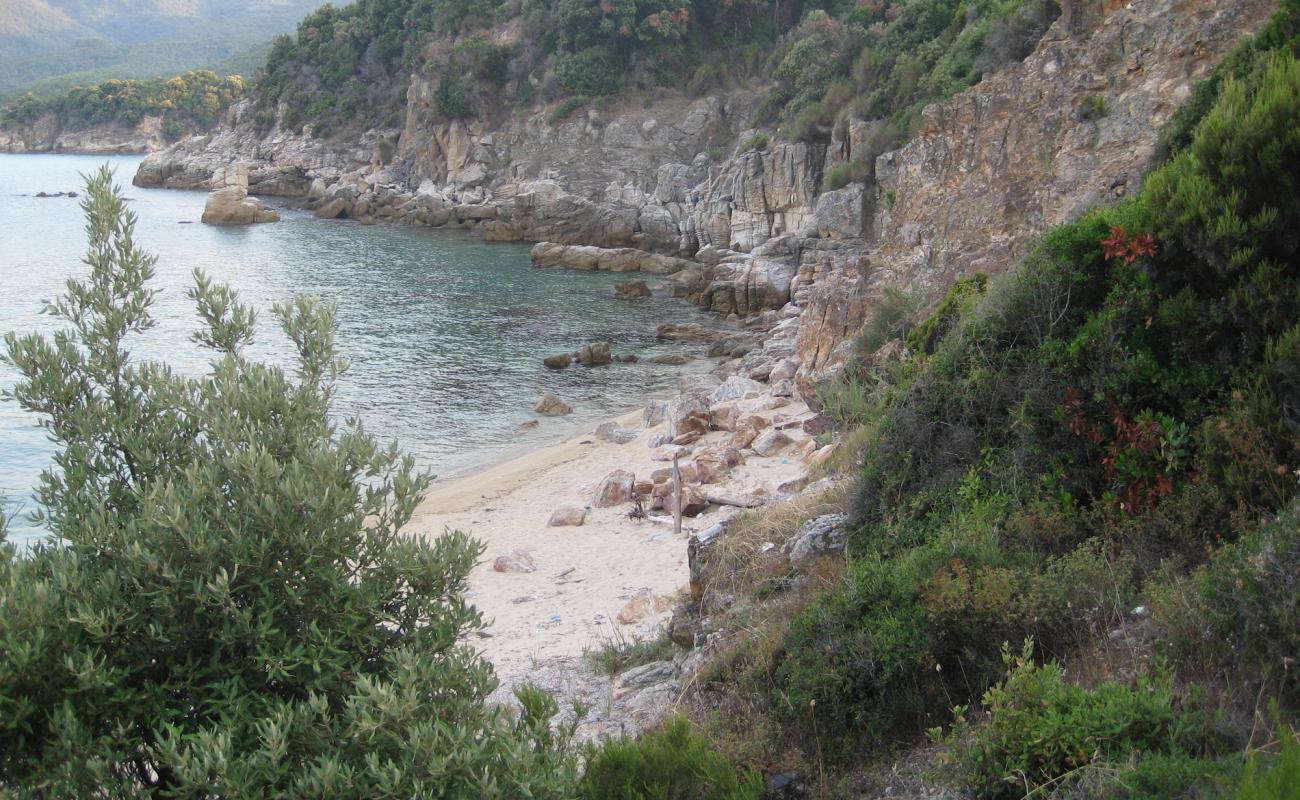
{"type": "Point", "coordinates": [583, 576]}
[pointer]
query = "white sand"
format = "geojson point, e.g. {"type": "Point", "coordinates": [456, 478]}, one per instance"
{"type": "Point", "coordinates": [584, 575]}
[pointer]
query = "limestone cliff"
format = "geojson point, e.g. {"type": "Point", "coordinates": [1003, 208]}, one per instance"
{"type": "Point", "coordinates": [46, 135]}
{"type": "Point", "coordinates": [1033, 145]}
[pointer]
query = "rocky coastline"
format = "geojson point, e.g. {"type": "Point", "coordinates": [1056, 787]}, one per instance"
{"type": "Point", "coordinates": [683, 191]}
{"type": "Point", "coordinates": [47, 135]}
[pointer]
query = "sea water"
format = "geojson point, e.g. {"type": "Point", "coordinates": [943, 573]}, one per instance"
{"type": "Point", "coordinates": [445, 333]}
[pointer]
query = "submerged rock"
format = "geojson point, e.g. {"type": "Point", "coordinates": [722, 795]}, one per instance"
{"type": "Point", "coordinates": [552, 406]}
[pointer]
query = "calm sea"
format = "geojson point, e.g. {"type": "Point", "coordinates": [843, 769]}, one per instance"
{"type": "Point", "coordinates": [445, 333]}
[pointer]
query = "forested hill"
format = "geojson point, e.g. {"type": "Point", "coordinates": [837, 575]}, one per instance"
{"type": "Point", "coordinates": [348, 67]}
{"type": "Point", "coordinates": [53, 45]}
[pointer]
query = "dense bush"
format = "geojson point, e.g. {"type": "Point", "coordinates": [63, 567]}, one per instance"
{"type": "Point", "coordinates": [1125, 399]}
{"type": "Point", "coordinates": [1276, 778]}
{"type": "Point", "coordinates": [669, 764]}
{"type": "Point", "coordinates": [228, 607]}
{"type": "Point", "coordinates": [1242, 609]}
{"type": "Point", "coordinates": [1043, 733]}
{"type": "Point", "coordinates": [193, 101]}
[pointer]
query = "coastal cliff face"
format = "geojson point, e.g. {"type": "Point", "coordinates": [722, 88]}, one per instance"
{"type": "Point", "coordinates": [1031, 146]}
{"type": "Point", "coordinates": [46, 135]}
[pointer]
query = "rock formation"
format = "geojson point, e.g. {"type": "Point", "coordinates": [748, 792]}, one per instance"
{"type": "Point", "coordinates": [675, 189]}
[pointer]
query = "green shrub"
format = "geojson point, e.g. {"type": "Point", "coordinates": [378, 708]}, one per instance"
{"type": "Point", "coordinates": [1042, 731]}
{"type": "Point", "coordinates": [758, 141]}
{"type": "Point", "coordinates": [1241, 611]}
{"type": "Point", "coordinates": [229, 607]}
{"type": "Point", "coordinates": [587, 73]}
{"type": "Point", "coordinates": [670, 764]}
{"type": "Point", "coordinates": [1278, 780]}
{"type": "Point", "coordinates": [566, 108]}
{"type": "Point", "coordinates": [450, 98]}
{"type": "Point", "coordinates": [961, 295]}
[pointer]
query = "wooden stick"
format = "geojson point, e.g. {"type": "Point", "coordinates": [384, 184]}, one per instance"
{"type": "Point", "coordinates": [677, 498]}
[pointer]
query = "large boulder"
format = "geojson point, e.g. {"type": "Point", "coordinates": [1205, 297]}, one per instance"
{"type": "Point", "coordinates": [614, 489]}
{"type": "Point", "coordinates": [233, 206]}
{"type": "Point", "coordinates": [558, 361]}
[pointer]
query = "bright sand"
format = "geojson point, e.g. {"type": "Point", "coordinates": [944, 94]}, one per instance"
{"type": "Point", "coordinates": [584, 575]}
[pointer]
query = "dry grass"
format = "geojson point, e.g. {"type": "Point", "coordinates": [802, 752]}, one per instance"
{"type": "Point", "coordinates": [751, 553]}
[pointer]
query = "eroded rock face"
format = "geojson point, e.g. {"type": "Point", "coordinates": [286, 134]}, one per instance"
{"type": "Point", "coordinates": [1007, 159]}
{"type": "Point", "coordinates": [636, 188]}
{"type": "Point", "coordinates": [233, 206]}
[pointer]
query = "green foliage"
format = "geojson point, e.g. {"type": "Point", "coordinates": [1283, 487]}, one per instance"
{"type": "Point", "coordinates": [1042, 733]}
{"type": "Point", "coordinates": [1241, 610]}
{"type": "Point", "coordinates": [588, 73]}
{"type": "Point", "coordinates": [124, 39]}
{"type": "Point", "coordinates": [450, 98]}
{"type": "Point", "coordinates": [566, 108]}
{"type": "Point", "coordinates": [853, 172]}
{"type": "Point", "coordinates": [195, 100]}
{"type": "Point", "coordinates": [619, 654]}
{"type": "Point", "coordinates": [961, 296]}
{"type": "Point", "coordinates": [229, 607]}
{"type": "Point", "coordinates": [1125, 399]}
{"type": "Point", "coordinates": [888, 60]}
{"type": "Point", "coordinates": [670, 764]}
{"type": "Point", "coordinates": [758, 141]}
{"type": "Point", "coordinates": [1276, 780]}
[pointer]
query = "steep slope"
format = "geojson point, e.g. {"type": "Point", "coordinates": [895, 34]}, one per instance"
{"type": "Point", "coordinates": [1032, 145]}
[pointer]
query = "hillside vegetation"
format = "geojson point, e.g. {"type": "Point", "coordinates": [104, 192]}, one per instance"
{"type": "Point", "coordinates": [824, 60]}
{"type": "Point", "coordinates": [51, 46]}
{"type": "Point", "coordinates": [1114, 425]}
{"type": "Point", "coordinates": [186, 103]}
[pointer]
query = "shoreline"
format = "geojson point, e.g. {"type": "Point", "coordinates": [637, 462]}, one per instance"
{"type": "Point", "coordinates": [613, 578]}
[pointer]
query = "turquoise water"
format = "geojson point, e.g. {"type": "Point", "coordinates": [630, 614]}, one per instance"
{"type": "Point", "coordinates": [445, 333]}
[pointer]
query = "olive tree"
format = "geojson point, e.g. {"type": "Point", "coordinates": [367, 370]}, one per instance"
{"type": "Point", "coordinates": [226, 607]}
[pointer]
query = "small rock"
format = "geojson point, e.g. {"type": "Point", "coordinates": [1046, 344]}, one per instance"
{"type": "Point", "coordinates": [648, 675]}
{"type": "Point", "coordinates": [818, 425]}
{"type": "Point", "coordinates": [552, 406]}
{"type": "Point", "coordinates": [631, 290]}
{"type": "Point", "coordinates": [823, 536]}
{"type": "Point", "coordinates": [615, 489]}
{"type": "Point", "coordinates": [821, 457]}
{"type": "Point", "coordinates": [671, 359]}
{"type": "Point", "coordinates": [735, 388]}
{"type": "Point", "coordinates": [642, 605]}
{"type": "Point", "coordinates": [515, 561]}
{"type": "Point", "coordinates": [783, 388]}
{"type": "Point", "coordinates": [771, 442]}
{"type": "Point", "coordinates": [614, 433]}
{"type": "Point", "coordinates": [595, 354]}
{"type": "Point", "coordinates": [532, 423]}
{"type": "Point", "coordinates": [559, 361]}
{"type": "Point", "coordinates": [567, 516]}
{"type": "Point", "coordinates": [688, 332]}
{"type": "Point", "coordinates": [654, 413]}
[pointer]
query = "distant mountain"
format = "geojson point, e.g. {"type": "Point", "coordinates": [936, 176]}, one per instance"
{"type": "Point", "coordinates": [51, 45]}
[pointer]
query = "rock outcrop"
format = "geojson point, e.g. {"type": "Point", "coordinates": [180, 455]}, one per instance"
{"type": "Point", "coordinates": [682, 188]}
{"type": "Point", "coordinates": [46, 134]}
{"type": "Point", "coordinates": [233, 206]}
